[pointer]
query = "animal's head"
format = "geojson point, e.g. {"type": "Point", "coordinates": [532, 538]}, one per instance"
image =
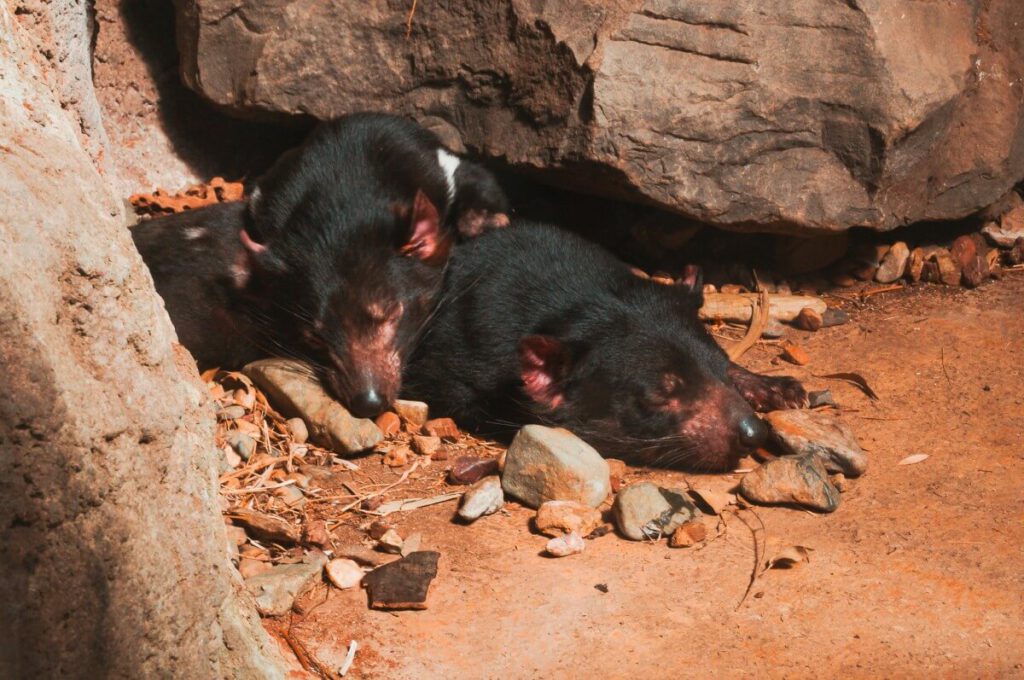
{"type": "Point", "coordinates": [642, 379]}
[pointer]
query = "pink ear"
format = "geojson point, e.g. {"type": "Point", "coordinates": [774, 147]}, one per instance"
{"type": "Point", "coordinates": [426, 243]}
{"type": "Point", "coordinates": [250, 245]}
{"type": "Point", "coordinates": [543, 364]}
{"type": "Point", "coordinates": [692, 277]}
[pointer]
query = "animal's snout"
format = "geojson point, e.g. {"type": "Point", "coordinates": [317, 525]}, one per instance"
{"type": "Point", "coordinates": [752, 431]}
{"type": "Point", "coordinates": [368, 403]}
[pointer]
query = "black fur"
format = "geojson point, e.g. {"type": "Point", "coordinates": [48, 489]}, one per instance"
{"type": "Point", "coordinates": [336, 272]}
{"type": "Point", "coordinates": [639, 372]}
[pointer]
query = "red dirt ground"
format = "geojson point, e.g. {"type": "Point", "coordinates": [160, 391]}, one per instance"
{"type": "Point", "coordinates": [920, 573]}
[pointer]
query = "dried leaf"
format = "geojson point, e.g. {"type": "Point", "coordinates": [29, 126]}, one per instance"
{"type": "Point", "coordinates": [913, 459]}
{"type": "Point", "coordinates": [855, 379]}
{"type": "Point", "coordinates": [790, 557]}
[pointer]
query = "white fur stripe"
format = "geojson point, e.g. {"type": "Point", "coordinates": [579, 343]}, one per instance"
{"type": "Point", "coordinates": [449, 164]}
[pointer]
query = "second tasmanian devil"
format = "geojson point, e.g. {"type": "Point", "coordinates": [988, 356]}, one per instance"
{"type": "Point", "coordinates": [538, 325]}
{"type": "Point", "coordinates": [336, 258]}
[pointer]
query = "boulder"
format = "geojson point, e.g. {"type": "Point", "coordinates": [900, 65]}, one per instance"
{"type": "Point", "coordinates": [111, 540]}
{"type": "Point", "coordinates": [754, 114]}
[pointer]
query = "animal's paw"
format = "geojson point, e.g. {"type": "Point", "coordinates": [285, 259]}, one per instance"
{"type": "Point", "coordinates": [768, 393]}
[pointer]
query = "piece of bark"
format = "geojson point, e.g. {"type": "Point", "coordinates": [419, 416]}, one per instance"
{"type": "Point", "coordinates": [739, 306]}
{"type": "Point", "coordinates": [403, 584]}
{"type": "Point", "coordinates": [267, 527]}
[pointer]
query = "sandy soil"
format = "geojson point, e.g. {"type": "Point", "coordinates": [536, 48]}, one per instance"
{"type": "Point", "coordinates": [920, 573]}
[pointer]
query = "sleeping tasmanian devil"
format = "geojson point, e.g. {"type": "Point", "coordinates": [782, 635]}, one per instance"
{"type": "Point", "coordinates": [539, 325]}
{"type": "Point", "coordinates": [336, 258]}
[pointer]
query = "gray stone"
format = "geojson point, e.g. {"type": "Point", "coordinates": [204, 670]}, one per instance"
{"type": "Point", "coordinates": [275, 590]}
{"type": "Point", "coordinates": [294, 393]}
{"type": "Point", "coordinates": [802, 432]}
{"type": "Point", "coordinates": [894, 264]}
{"type": "Point", "coordinates": [791, 480]}
{"type": "Point", "coordinates": [773, 330]}
{"type": "Point", "coordinates": [766, 114]}
{"type": "Point", "coordinates": [647, 511]}
{"type": "Point", "coordinates": [552, 464]}
{"type": "Point", "coordinates": [483, 498]}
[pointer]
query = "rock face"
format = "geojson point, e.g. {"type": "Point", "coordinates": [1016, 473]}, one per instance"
{"type": "Point", "coordinates": [767, 114]}
{"type": "Point", "coordinates": [108, 494]}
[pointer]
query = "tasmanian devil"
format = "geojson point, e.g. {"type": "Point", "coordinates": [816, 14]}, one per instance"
{"type": "Point", "coordinates": [336, 257]}
{"type": "Point", "coordinates": [538, 325]}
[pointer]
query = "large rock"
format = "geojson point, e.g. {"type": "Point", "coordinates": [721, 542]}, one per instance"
{"type": "Point", "coordinates": [552, 464]}
{"type": "Point", "coordinates": [112, 548]}
{"type": "Point", "coordinates": [762, 114]}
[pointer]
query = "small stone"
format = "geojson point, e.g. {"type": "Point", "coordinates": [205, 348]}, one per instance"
{"type": "Point", "coordinates": [315, 533]}
{"type": "Point", "coordinates": [253, 562]}
{"type": "Point", "coordinates": [894, 264]}
{"type": "Point", "coordinates": [563, 546]}
{"type": "Point", "coordinates": [426, 445]}
{"type": "Point", "coordinates": [820, 398]}
{"type": "Point", "coordinates": [413, 411]}
{"type": "Point", "coordinates": [834, 316]}
{"type": "Point", "coordinates": [470, 469]}
{"type": "Point", "coordinates": [389, 423]}
{"type": "Point", "coordinates": [553, 464]}
{"type": "Point", "coordinates": [397, 457]}
{"type": "Point", "coordinates": [390, 542]}
{"type": "Point", "coordinates": [483, 498]}
{"type": "Point", "coordinates": [1016, 254]}
{"type": "Point", "coordinates": [378, 528]}
{"type": "Point", "coordinates": [276, 590]}
{"type": "Point", "coordinates": [975, 272]}
{"type": "Point", "coordinates": [616, 473]}
{"type": "Point", "coordinates": [290, 388]}
{"type": "Point", "coordinates": [1008, 230]}
{"type": "Point", "coordinates": [644, 510]}
{"type": "Point", "coordinates": [291, 495]}
{"type": "Point", "coordinates": [774, 329]}
{"type": "Point", "coordinates": [808, 319]}
{"type": "Point", "coordinates": [817, 433]}
{"type": "Point", "coordinates": [404, 583]}
{"type": "Point", "coordinates": [963, 250]}
{"type": "Point", "coordinates": [556, 518]}
{"type": "Point", "coordinates": [411, 543]}
{"type": "Point", "coordinates": [343, 573]}
{"type": "Point", "coordinates": [709, 288]}
{"type": "Point", "coordinates": [297, 429]}
{"type": "Point", "coordinates": [948, 268]}
{"type": "Point", "coordinates": [915, 264]}
{"type": "Point", "coordinates": [795, 354]}
{"type": "Point", "coordinates": [688, 534]}
{"type": "Point", "coordinates": [243, 444]}
{"type": "Point", "coordinates": [732, 289]}
{"type": "Point", "coordinates": [445, 428]}
{"type": "Point", "coordinates": [232, 412]}
{"type": "Point", "coordinates": [791, 480]}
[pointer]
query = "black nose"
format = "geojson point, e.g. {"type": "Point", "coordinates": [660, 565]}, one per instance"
{"type": "Point", "coordinates": [752, 431]}
{"type": "Point", "coordinates": [367, 404]}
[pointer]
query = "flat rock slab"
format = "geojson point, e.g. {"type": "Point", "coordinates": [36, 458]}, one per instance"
{"type": "Point", "coordinates": [294, 392]}
{"type": "Point", "coordinates": [802, 432]}
{"type": "Point", "coordinates": [403, 584]}
{"type": "Point", "coordinates": [275, 590]}
{"type": "Point", "coordinates": [552, 464]}
{"type": "Point", "coordinates": [647, 511]}
{"type": "Point", "coordinates": [791, 480]}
